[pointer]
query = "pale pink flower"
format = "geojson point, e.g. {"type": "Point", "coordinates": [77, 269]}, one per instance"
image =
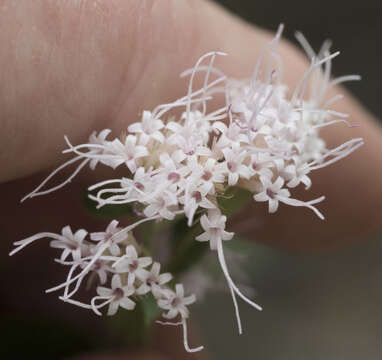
{"type": "Point", "coordinates": [116, 296]}
{"type": "Point", "coordinates": [176, 303]}
{"type": "Point", "coordinates": [133, 265]}
{"type": "Point", "coordinates": [148, 128]}
{"type": "Point", "coordinates": [127, 153]}
{"type": "Point", "coordinates": [70, 243]}
{"type": "Point", "coordinates": [214, 228]}
{"type": "Point", "coordinates": [112, 235]}
{"type": "Point", "coordinates": [154, 279]}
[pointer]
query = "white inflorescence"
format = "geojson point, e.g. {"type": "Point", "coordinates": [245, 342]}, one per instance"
{"type": "Point", "coordinates": [262, 139]}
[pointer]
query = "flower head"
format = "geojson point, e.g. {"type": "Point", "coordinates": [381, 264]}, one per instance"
{"type": "Point", "coordinates": [181, 157]}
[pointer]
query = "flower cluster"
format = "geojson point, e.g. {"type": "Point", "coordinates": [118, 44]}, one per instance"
{"type": "Point", "coordinates": [111, 257]}
{"type": "Point", "coordinates": [180, 158]}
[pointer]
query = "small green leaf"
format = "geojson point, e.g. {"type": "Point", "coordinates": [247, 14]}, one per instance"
{"type": "Point", "coordinates": [186, 250]}
{"type": "Point", "coordinates": [151, 311]}
{"type": "Point", "coordinates": [233, 200]}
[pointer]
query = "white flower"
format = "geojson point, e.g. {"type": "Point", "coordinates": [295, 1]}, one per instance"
{"type": "Point", "coordinates": [172, 169]}
{"type": "Point", "coordinates": [188, 139]}
{"type": "Point", "coordinates": [127, 152]}
{"type": "Point", "coordinates": [260, 165]}
{"type": "Point", "coordinates": [72, 244]}
{"type": "Point", "coordinates": [214, 228]}
{"type": "Point", "coordinates": [297, 175]}
{"type": "Point", "coordinates": [148, 128]}
{"type": "Point", "coordinates": [101, 268]}
{"type": "Point", "coordinates": [176, 303]}
{"type": "Point", "coordinates": [110, 235]}
{"type": "Point", "coordinates": [132, 189]}
{"type": "Point", "coordinates": [199, 123]}
{"type": "Point", "coordinates": [195, 196]}
{"type": "Point", "coordinates": [233, 134]}
{"type": "Point", "coordinates": [163, 204]}
{"type": "Point", "coordinates": [133, 265]}
{"type": "Point", "coordinates": [209, 173]}
{"type": "Point", "coordinates": [233, 164]}
{"type": "Point", "coordinates": [273, 193]}
{"type": "Point", "coordinates": [97, 140]}
{"type": "Point", "coordinates": [117, 296]}
{"type": "Point", "coordinates": [153, 280]}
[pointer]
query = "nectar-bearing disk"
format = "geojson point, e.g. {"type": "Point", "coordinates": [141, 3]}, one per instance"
{"type": "Point", "coordinates": [180, 159]}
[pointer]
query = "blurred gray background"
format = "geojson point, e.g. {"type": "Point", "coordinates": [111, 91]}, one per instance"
{"type": "Point", "coordinates": [325, 306]}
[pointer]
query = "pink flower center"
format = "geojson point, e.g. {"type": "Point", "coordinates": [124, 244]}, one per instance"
{"type": "Point", "coordinates": [139, 185]}
{"type": "Point", "coordinates": [72, 245]}
{"type": "Point", "coordinates": [175, 302]}
{"type": "Point", "coordinates": [207, 175]}
{"type": "Point", "coordinates": [133, 266]}
{"type": "Point", "coordinates": [118, 293]}
{"type": "Point", "coordinates": [270, 193]}
{"type": "Point", "coordinates": [151, 280]}
{"type": "Point", "coordinates": [231, 166]}
{"type": "Point", "coordinates": [215, 231]}
{"type": "Point", "coordinates": [197, 196]}
{"type": "Point", "coordinates": [173, 176]}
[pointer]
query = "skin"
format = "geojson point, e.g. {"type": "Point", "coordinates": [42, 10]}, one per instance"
{"type": "Point", "coordinates": [71, 67]}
